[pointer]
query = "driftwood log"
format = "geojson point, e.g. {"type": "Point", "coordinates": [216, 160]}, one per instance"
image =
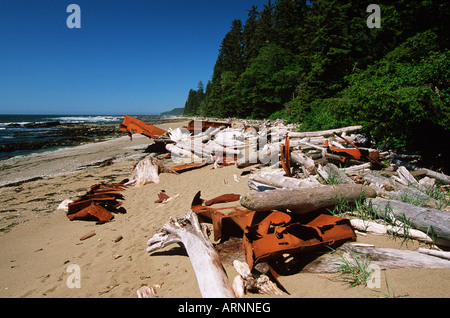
{"type": "Point", "coordinates": [334, 172]}
{"type": "Point", "coordinates": [274, 179]}
{"type": "Point", "coordinates": [147, 171]}
{"type": "Point", "coordinates": [323, 132]}
{"type": "Point", "coordinates": [430, 173]}
{"type": "Point", "coordinates": [431, 221]}
{"type": "Point", "coordinates": [267, 154]}
{"type": "Point", "coordinates": [305, 200]}
{"type": "Point", "coordinates": [211, 278]}
{"type": "Point", "coordinates": [304, 161]}
{"type": "Point", "coordinates": [384, 258]}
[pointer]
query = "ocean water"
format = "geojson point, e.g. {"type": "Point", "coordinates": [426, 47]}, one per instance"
{"type": "Point", "coordinates": [13, 129]}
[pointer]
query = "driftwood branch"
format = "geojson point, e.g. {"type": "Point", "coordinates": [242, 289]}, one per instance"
{"type": "Point", "coordinates": [323, 132]}
{"type": "Point", "coordinates": [211, 278]}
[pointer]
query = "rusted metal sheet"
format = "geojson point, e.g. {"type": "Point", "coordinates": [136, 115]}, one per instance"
{"type": "Point", "coordinates": [353, 153]}
{"type": "Point", "coordinates": [223, 199]}
{"type": "Point", "coordinates": [98, 204]}
{"type": "Point", "coordinates": [188, 166]}
{"type": "Point", "coordinates": [278, 234]}
{"type": "Point", "coordinates": [268, 235]}
{"type": "Point", "coordinates": [193, 125]}
{"type": "Point", "coordinates": [132, 125]}
{"type": "Point", "coordinates": [285, 157]}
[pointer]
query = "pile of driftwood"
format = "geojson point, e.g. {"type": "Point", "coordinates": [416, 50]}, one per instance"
{"type": "Point", "coordinates": [298, 173]}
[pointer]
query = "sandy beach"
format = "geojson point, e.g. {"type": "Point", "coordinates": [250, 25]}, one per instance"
{"type": "Point", "coordinates": [38, 243]}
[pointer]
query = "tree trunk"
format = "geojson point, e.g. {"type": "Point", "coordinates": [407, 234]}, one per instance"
{"type": "Point", "coordinates": [431, 221]}
{"type": "Point", "coordinates": [211, 278]}
{"type": "Point", "coordinates": [305, 200]}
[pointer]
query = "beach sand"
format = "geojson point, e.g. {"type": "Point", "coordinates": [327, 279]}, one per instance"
{"type": "Point", "coordinates": [39, 244]}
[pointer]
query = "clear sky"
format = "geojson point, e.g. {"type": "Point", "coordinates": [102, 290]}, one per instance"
{"type": "Point", "coordinates": [128, 57]}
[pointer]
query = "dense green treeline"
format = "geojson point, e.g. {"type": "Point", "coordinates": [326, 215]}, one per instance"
{"type": "Point", "coordinates": [318, 63]}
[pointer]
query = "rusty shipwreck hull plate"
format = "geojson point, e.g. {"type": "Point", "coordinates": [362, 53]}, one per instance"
{"type": "Point", "coordinates": [268, 235]}
{"type": "Point", "coordinates": [133, 125]}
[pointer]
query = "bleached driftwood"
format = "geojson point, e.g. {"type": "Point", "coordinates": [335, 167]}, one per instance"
{"type": "Point", "coordinates": [323, 132]}
{"type": "Point", "coordinates": [246, 281]}
{"type": "Point", "coordinates": [305, 200]}
{"type": "Point", "coordinates": [258, 186]}
{"type": "Point", "coordinates": [211, 278]}
{"type": "Point", "coordinates": [357, 169]}
{"type": "Point", "coordinates": [264, 155]}
{"type": "Point", "coordinates": [441, 254]}
{"type": "Point", "coordinates": [334, 172]}
{"type": "Point", "coordinates": [435, 222]}
{"type": "Point", "coordinates": [405, 177]}
{"type": "Point", "coordinates": [380, 229]}
{"type": "Point", "coordinates": [303, 160]}
{"type": "Point", "coordinates": [430, 173]}
{"type": "Point", "coordinates": [147, 171]}
{"type": "Point", "coordinates": [277, 180]}
{"type": "Point", "coordinates": [182, 153]}
{"type": "Point", "coordinates": [384, 258]}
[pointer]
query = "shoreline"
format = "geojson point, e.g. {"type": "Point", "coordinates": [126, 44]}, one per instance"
{"type": "Point", "coordinates": [63, 135]}
{"type": "Point", "coordinates": [39, 242]}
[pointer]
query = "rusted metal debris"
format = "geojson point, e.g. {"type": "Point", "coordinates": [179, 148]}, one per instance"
{"type": "Point", "coordinates": [267, 235]}
{"type": "Point", "coordinates": [205, 125]}
{"type": "Point", "coordinates": [132, 125]}
{"type": "Point", "coordinates": [98, 204]}
{"type": "Point", "coordinates": [285, 157]}
{"type": "Point", "coordinates": [353, 153]}
{"type": "Point", "coordinates": [162, 196]}
{"type": "Point", "coordinates": [188, 166]}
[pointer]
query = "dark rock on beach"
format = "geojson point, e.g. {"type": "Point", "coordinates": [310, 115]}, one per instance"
{"type": "Point", "coordinates": [64, 135]}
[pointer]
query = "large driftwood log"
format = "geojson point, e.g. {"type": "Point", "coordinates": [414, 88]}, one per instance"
{"type": "Point", "coordinates": [431, 221]}
{"type": "Point", "coordinates": [305, 200]}
{"type": "Point", "coordinates": [211, 278]}
{"type": "Point", "coordinates": [323, 132]}
{"type": "Point", "coordinates": [147, 171]}
{"type": "Point", "coordinates": [384, 258]}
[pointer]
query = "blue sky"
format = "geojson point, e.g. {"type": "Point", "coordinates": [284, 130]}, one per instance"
{"type": "Point", "coordinates": [129, 57]}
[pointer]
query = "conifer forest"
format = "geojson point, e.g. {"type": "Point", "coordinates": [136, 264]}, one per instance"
{"type": "Point", "coordinates": [322, 64]}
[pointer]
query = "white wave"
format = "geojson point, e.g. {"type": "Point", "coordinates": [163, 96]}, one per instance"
{"type": "Point", "coordinates": [87, 119]}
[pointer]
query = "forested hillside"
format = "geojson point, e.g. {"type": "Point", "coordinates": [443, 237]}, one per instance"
{"type": "Point", "coordinates": [318, 63]}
